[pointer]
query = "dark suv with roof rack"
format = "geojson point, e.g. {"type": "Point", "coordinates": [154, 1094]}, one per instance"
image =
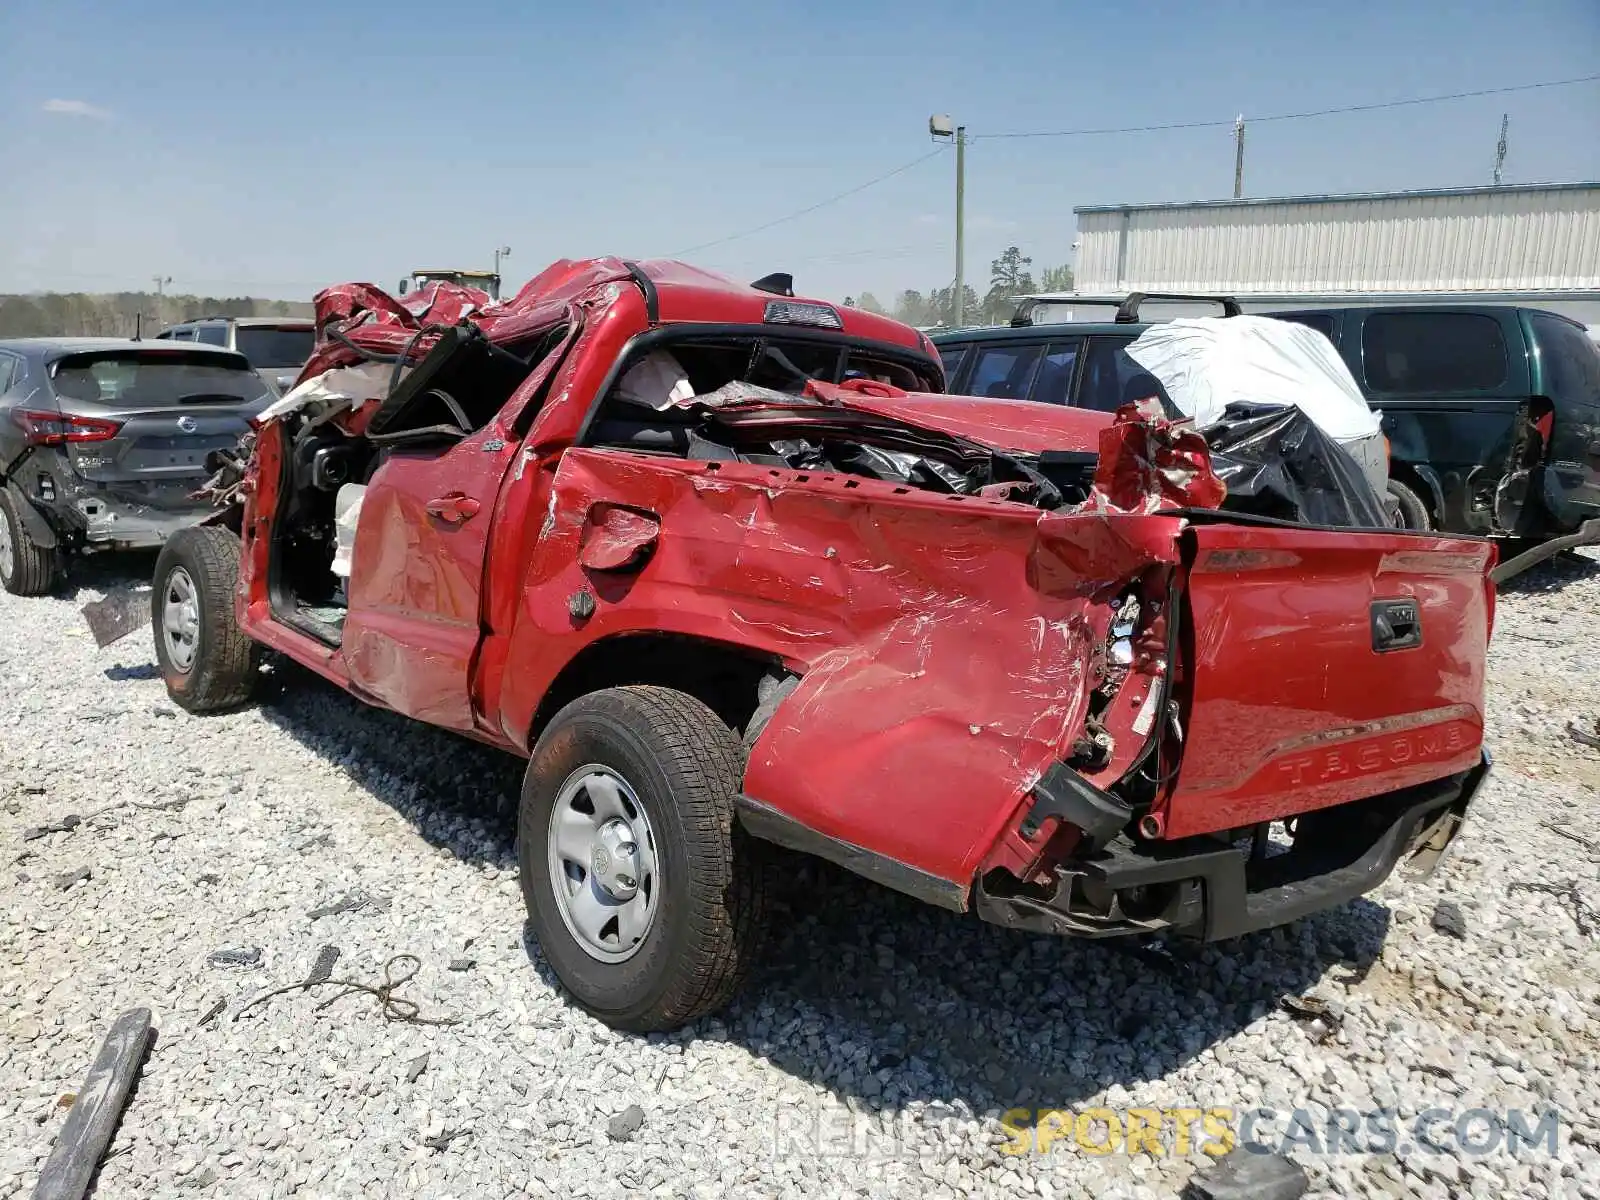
{"type": "Point", "coordinates": [1492, 411]}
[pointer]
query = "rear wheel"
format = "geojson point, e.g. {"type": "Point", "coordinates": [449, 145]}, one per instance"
{"type": "Point", "coordinates": [647, 898]}
{"type": "Point", "coordinates": [1414, 513]}
{"type": "Point", "coordinates": [26, 568]}
{"type": "Point", "coordinates": [207, 662]}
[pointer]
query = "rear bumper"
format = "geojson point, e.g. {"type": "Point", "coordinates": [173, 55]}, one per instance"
{"type": "Point", "coordinates": [102, 518]}
{"type": "Point", "coordinates": [1205, 888]}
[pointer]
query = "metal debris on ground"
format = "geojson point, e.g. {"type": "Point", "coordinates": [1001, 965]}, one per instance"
{"type": "Point", "coordinates": [353, 902]}
{"type": "Point", "coordinates": [1311, 1008]}
{"type": "Point", "coordinates": [322, 968]}
{"type": "Point", "coordinates": [65, 825]}
{"type": "Point", "coordinates": [1248, 1174]}
{"type": "Point", "coordinates": [92, 1120]}
{"type": "Point", "coordinates": [1588, 844]}
{"type": "Point", "coordinates": [442, 1141]}
{"type": "Point", "coordinates": [117, 615]}
{"type": "Point", "coordinates": [1584, 915]}
{"type": "Point", "coordinates": [67, 878]}
{"type": "Point", "coordinates": [393, 1007]}
{"type": "Point", "coordinates": [416, 1067]}
{"type": "Point", "coordinates": [463, 964]}
{"type": "Point", "coordinates": [246, 956]}
{"type": "Point", "coordinates": [1579, 734]}
{"type": "Point", "coordinates": [1449, 919]}
{"type": "Point", "coordinates": [212, 1013]}
{"type": "Point", "coordinates": [625, 1124]}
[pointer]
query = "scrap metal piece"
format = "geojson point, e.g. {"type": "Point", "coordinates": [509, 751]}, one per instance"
{"type": "Point", "coordinates": [65, 825]}
{"type": "Point", "coordinates": [1248, 1174]}
{"type": "Point", "coordinates": [1587, 534]}
{"type": "Point", "coordinates": [93, 1118]}
{"type": "Point", "coordinates": [322, 968]}
{"type": "Point", "coordinates": [1578, 734]}
{"type": "Point", "coordinates": [417, 1066]}
{"type": "Point", "coordinates": [248, 956]}
{"type": "Point", "coordinates": [118, 615]}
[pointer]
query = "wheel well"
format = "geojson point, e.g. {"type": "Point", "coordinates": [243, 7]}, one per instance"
{"type": "Point", "coordinates": [724, 677]}
{"type": "Point", "coordinates": [1406, 474]}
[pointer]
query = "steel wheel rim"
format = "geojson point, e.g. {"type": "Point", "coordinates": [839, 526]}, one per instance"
{"type": "Point", "coordinates": [602, 861]}
{"type": "Point", "coordinates": [180, 619]}
{"type": "Point", "coordinates": [8, 549]}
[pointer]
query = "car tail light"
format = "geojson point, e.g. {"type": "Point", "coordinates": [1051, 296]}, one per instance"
{"type": "Point", "coordinates": [57, 429]}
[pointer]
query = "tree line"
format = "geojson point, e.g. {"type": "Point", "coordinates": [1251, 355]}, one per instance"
{"type": "Point", "coordinates": [1010, 277]}
{"type": "Point", "coordinates": [118, 314]}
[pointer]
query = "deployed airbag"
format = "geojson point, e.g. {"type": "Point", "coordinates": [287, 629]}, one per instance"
{"type": "Point", "coordinates": [1208, 363]}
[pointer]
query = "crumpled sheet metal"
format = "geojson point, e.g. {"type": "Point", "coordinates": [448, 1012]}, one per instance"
{"type": "Point", "coordinates": [894, 606]}
{"type": "Point", "coordinates": [378, 323]}
{"type": "Point", "coordinates": [1149, 463]}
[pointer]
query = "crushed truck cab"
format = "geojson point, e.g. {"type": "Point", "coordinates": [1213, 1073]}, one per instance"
{"type": "Point", "coordinates": [730, 569]}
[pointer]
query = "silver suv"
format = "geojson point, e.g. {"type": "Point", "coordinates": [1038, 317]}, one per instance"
{"type": "Point", "coordinates": [277, 347]}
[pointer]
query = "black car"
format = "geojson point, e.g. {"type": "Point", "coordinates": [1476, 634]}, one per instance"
{"type": "Point", "coordinates": [103, 440]}
{"type": "Point", "coordinates": [1492, 411]}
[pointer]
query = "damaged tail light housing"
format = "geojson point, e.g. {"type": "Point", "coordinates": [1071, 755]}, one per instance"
{"type": "Point", "coordinates": [798, 312]}
{"type": "Point", "coordinates": [57, 429]}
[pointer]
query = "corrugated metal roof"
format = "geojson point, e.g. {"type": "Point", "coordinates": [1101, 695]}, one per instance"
{"type": "Point", "coordinates": [1334, 197]}
{"type": "Point", "coordinates": [1457, 240]}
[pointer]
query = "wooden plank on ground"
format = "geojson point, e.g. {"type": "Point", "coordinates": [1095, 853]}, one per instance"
{"type": "Point", "coordinates": [93, 1118]}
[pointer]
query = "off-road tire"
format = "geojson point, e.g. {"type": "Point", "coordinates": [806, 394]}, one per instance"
{"type": "Point", "coordinates": [226, 662]}
{"type": "Point", "coordinates": [1414, 512]}
{"type": "Point", "coordinates": [32, 569]}
{"type": "Point", "coordinates": [685, 765]}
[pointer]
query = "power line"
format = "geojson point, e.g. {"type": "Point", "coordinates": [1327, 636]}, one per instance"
{"type": "Point", "coordinates": [861, 187]}
{"type": "Point", "coordinates": [1295, 116]}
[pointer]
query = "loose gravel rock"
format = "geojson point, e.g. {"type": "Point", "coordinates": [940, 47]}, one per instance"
{"type": "Point", "coordinates": [873, 1054]}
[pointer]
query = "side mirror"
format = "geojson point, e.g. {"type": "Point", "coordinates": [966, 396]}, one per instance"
{"type": "Point", "coordinates": [405, 286]}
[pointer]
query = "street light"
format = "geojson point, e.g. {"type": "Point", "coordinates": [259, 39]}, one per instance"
{"type": "Point", "coordinates": [942, 128]}
{"type": "Point", "coordinates": [499, 253]}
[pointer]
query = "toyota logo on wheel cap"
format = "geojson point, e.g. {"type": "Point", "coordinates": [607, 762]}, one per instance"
{"type": "Point", "coordinates": [187, 424]}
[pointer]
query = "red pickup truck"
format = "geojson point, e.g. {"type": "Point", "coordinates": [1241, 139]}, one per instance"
{"type": "Point", "coordinates": [729, 569]}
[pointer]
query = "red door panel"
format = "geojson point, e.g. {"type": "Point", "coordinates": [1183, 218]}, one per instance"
{"type": "Point", "coordinates": [416, 577]}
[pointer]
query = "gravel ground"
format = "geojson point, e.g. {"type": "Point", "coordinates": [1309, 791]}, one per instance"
{"type": "Point", "coordinates": [873, 1054]}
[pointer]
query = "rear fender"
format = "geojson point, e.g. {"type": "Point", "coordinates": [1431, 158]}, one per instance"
{"type": "Point", "coordinates": [34, 523]}
{"type": "Point", "coordinates": [915, 746]}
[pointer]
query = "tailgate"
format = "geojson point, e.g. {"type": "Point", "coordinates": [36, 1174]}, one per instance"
{"type": "Point", "coordinates": [1324, 666]}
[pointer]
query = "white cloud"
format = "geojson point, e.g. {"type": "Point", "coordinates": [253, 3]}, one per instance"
{"type": "Point", "coordinates": [77, 108]}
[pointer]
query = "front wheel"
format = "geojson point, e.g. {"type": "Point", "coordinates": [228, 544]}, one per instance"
{"type": "Point", "coordinates": [206, 660]}
{"type": "Point", "coordinates": [646, 897]}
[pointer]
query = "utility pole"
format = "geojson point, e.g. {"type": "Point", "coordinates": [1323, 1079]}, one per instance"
{"type": "Point", "coordinates": [940, 127]}
{"type": "Point", "coordinates": [961, 223]}
{"type": "Point", "coordinates": [1500, 150]}
{"type": "Point", "coordinates": [499, 253]}
{"type": "Point", "coordinates": [161, 282]}
{"type": "Point", "coordinates": [1238, 156]}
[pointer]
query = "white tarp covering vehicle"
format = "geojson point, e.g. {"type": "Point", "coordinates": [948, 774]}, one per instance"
{"type": "Point", "coordinates": [1208, 363]}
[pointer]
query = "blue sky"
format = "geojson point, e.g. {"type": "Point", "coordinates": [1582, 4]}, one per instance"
{"type": "Point", "coordinates": [274, 148]}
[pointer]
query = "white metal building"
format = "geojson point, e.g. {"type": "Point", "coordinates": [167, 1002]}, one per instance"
{"type": "Point", "coordinates": [1534, 244]}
